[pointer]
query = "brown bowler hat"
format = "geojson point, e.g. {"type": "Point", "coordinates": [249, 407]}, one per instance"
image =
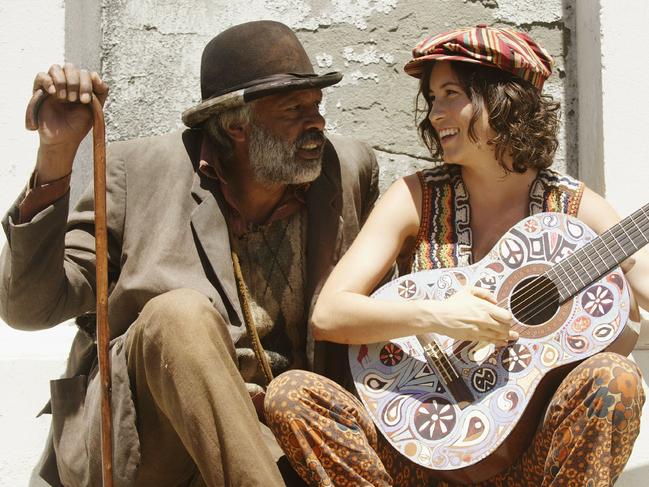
{"type": "Point", "coordinates": [251, 60]}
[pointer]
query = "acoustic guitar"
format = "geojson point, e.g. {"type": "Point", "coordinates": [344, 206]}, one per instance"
{"type": "Point", "coordinates": [468, 410]}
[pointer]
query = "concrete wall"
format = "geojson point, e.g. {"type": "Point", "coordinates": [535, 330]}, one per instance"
{"type": "Point", "coordinates": [589, 67]}
{"type": "Point", "coordinates": [369, 41]}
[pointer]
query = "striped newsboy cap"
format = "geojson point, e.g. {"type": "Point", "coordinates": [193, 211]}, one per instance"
{"type": "Point", "coordinates": [500, 48]}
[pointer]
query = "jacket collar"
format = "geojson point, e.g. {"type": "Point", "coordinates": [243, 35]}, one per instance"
{"type": "Point", "coordinates": [324, 234]}
{"type": "Point", "coordinates": [324, 240]}
{"type": "Point", "coordinates": [210, 228]}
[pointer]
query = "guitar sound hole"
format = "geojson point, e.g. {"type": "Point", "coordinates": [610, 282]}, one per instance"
{"type": "Point", "coordinates": [534, 300]}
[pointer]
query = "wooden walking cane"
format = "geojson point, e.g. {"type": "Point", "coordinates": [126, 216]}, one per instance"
{"type": "Point", "coordinates": [101, 252]}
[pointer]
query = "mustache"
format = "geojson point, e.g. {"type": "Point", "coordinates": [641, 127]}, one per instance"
{"type": "Point", "coordinates": [311, 135]}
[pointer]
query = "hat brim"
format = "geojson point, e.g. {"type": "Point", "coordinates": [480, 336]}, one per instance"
{"type": "Point", "coordinates": [415, 67]}
{"type": "Point", "coordinates": [195, 116]}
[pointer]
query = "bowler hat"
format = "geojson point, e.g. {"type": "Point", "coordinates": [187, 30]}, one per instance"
{"type": "Point", "coordinates": [251, 60]}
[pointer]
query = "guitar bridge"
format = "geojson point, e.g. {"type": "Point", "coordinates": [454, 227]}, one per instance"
{"type": "Point", "coordinates": [439, 362]}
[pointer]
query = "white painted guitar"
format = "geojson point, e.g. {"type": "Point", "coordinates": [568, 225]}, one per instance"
{"type": "Point", "coordinates": [468, 410]}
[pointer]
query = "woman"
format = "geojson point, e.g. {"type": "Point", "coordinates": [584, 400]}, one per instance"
{"type": "Point", "coordinates": [496, 133]}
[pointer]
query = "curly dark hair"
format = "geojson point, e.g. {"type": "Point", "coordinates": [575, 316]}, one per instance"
{"type": "Point", "coordinates": [525, 120]}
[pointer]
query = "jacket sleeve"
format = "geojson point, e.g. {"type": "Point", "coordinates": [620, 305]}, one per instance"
{"type": "Point", "coordinates": [47, 266]}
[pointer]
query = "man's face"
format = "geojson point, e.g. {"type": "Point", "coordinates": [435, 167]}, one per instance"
{"type": "Point", "coordinates": [286, 138]}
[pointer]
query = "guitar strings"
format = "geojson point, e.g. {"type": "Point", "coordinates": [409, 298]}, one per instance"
{"type": "Point", "coordinates": [550, 284]}
{"type": "Point", "coordinates": [581, 250]}
{"type": "Point", "coordinates": [532, 308]}
{"type": "Point", "coordinates": [533, 285]}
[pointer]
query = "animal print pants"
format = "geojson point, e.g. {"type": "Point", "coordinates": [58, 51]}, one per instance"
{"type": "Point", "coordinates": [585, 439]}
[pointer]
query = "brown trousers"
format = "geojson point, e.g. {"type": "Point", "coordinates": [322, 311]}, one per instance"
{"type": "Point", "coordinates": [196, 423]}
{"type": "Point", "coordinates": [585, 439]}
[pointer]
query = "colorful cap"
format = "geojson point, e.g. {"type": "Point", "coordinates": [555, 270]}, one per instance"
{"type": "Point", "coordinates": [500, 48]}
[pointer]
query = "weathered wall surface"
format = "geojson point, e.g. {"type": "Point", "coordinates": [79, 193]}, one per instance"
{"type": "Point", "coordinates": [150, 56]}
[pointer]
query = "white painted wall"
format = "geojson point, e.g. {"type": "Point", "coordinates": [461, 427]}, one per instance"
{"type": "Point", "coordinates": [625, 77]}
{"type": "Point", "coordinates": [31, 35]}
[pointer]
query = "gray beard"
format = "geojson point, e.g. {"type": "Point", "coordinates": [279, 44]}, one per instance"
{"type": "Point", "coordinates": [273, 160]}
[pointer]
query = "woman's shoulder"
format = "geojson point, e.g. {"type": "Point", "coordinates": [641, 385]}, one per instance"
{"type": "Point", "coordinates": [596, 212]}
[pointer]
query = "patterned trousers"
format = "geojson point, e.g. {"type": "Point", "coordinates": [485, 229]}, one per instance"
{"type": "Point", "coordinates": [585, 438]}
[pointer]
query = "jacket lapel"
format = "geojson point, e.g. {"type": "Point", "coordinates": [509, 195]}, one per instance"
{"type": "Point", "coordinates": [324, 234]}
{"type": "Point", "coordinates": [325, 224]}
{"type": "Point", "coordinates": [211, 234]}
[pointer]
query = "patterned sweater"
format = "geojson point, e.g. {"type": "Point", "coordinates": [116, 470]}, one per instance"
{"type": "Point", "coordinates": [272, 259]}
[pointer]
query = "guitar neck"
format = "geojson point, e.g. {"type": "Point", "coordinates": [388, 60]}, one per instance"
{"type": "Point", "coordinates": [598, 257]}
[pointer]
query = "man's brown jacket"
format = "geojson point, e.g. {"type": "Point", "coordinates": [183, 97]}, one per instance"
{"type": "Point", "coordinates": [166, 231]}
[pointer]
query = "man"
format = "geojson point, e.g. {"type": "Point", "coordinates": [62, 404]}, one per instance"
{"type": "Point", "coordinates": [254, 178]}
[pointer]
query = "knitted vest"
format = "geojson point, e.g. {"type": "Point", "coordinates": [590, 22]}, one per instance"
{"type": "Point", "coordinates": [444, 238]}
{"type": "Point", "coordinates": [272, 258]}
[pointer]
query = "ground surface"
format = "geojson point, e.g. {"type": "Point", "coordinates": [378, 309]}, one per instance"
{"type": "Point", "coordinates": [24, 382]}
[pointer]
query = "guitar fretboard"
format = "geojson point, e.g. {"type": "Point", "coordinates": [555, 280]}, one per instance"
{"type": "Point", "coordinates": [592, 261]}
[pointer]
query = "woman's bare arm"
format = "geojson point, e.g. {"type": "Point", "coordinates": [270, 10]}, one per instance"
{"type": "Point", "coordinates": [345, 314]}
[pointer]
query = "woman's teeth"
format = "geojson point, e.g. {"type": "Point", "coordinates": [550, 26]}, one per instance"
{"type": "Point", "coordinates": [447, 132]}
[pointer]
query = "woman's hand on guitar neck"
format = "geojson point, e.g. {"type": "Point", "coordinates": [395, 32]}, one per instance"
{"type": "Point", "coordinates": [472, 315]}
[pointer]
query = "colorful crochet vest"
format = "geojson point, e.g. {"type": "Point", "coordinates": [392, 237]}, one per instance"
{"type": "Point", "coordinates": [444, 238]}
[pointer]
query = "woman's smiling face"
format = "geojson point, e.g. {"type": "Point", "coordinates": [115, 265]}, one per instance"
{"type": "Point", "coordinates": [450, 115]}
